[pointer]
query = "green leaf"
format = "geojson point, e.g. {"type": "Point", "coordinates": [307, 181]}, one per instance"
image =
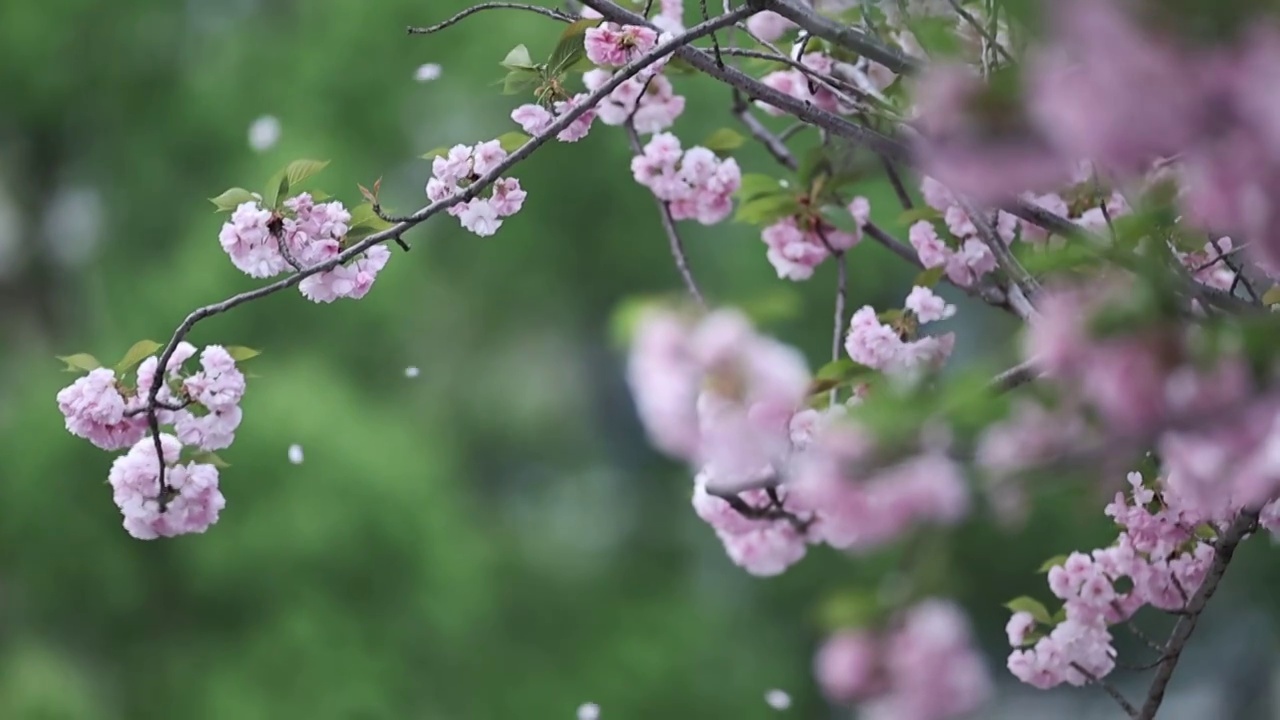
{"type": "Point", "coordinates": [678, 66]}
{"type": "Point", "coordinates": [520, 80]}
{"type": "Point", "coordinates": [779, 304]}
{"type": "Point", "coordinates": [519, 59]}
{"type": "Point", "coordinates": [434, 153]}
{"type": "Point", "coordinates": [209, 458]}
{"type": "Point", "coordinates": [80, 362]}
{"type": "Point", "coordinates": [1052, 563]}
{"type": "Point", "coordinates": [812, 165]}
{"type": "Point", "coordinates": [232, 199]}
{"type": "Point", "coordinates": [628, 313]}
{"type": "Point", "coordinates": [937, 35]}
{"type": "Point", "coordinates": [916, 214]}
{"type": "Point", "coordinates": [842, 370]}
{"type": "Point", "coordinates": [139, 352]}
{"type": "Point", "coordinates": [365, 222]}
{"type": "Point", "coordinates": [300, 170]}
{"type": "Point", "coordinates": [755, 185]}
{"type": "Point", "coordinates": [723, 140]}
{"type": "Point", "coordinates": [1205, 531]}
{"type": "Point", "coordinates": [277, 189]}
{"type": "Point", "coordinates": [512, 141]}
{"type": "Point", "coordinates": [1033, 606]}
{"type": "Point", "coordinates": [1272, 296]}
{"type": "Point", "coordinates": [849, 609]}
{"type": "Point", "coordinates": [570, 49]}
{"type": "Point", "coordinates": [930, 277]}
{"type": "Point", "coordinates": [767, 209]}
{"type": "Point", "coordinates": [239, 353]}
{"type": "Point", "coordinates": [888, 317]}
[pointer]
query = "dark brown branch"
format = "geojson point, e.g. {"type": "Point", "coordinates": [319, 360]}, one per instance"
{"type": "Point", "coordinates": [842, 35]}
{"type": "Point", "coordinates": [1224, 549]}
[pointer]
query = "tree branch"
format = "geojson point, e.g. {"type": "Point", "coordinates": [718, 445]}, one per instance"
{"type": "Point", "coordinates": [545, 12]}
{"type": "Point", "coordinates": [842, 35]}
{"type": "Point", "coordinates": [669, 227]}
{"type": "Point", "coordinates": [563, 121]}
{"type": "Point", "coordinates": [1224, 549]}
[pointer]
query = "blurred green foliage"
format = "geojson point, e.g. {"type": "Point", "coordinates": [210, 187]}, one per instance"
{"type": "Point", "coordinates": [491, 539]}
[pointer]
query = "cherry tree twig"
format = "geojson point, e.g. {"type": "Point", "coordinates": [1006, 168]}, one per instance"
{"type": "Point", "coordinates": [669, 227]}
{"type": "Point", "coordinates": [545, 12]}
{"type": "Point", "coordinates": [561, 122]}
{"type": "Point", "coordinates": [1224, 549]}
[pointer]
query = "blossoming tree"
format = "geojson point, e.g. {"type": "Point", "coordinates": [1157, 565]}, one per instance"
{"type": "Point", "coordinates": [1101, 170]}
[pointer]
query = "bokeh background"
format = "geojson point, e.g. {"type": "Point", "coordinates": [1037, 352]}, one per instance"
{"type": "Point", "coordinates": [490, 539]}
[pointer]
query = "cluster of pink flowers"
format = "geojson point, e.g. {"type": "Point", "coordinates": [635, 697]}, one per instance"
{"type": "Point", "coordinates": [924, 666]}
{"type": "Point", "coordinates": [191, 503]}
{"type": "Point", "coordinates": [1160, 555]}
{"type": "Point", "coordinates": [857, 505]}
{"type": "Point", "coordinates": [536, 119]}
{"type": "Point", "coordinates": [884, 347]}
{"type": "Point", "coordinates": [799, 243]}
{"type": "Point", "coordinates": [800, 86]}
{"type": "Point", "coordinates": [612, 45]}
{"type": "Point", "coordinates": [695, 184]}
{"type": "Point", "coordinates": [202, 407]}
{"type": "Point", "coordinates": [263, 243]}
{"type": "Point", "coordinates": [1136, 383]}
{"type": "Point", "coordinates": [731, 402]}
{"type": "Point", "coordinates": [463, 165]}
{"type": "Point", "coordinates": [651, 104]}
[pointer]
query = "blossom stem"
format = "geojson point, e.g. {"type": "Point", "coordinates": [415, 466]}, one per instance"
{"type": "Point", "coordinates": [669, 227]}
{"type": "Point", "coordinates": [546, 12]}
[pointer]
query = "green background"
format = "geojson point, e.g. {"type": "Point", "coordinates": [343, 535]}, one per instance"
{"type": "Point", "coordinates": [491, 539]}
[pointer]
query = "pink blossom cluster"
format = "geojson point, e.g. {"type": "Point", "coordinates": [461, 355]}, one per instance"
{"type": "Point", "coordinates": [1135, 381]}
{"type": "Point", "coordinates": [802, 86]}
{"type": "Point", "coordinates": [716, 394]}
{"type": "Point", "coordinates": [763, 546]}
{"type": "Point", "coordinates": [537, 119]}
{"type": "Point", "coordinates": [464, 165]}
{"type": "Point", "coordinates": [190, 503]}
{"type": "Point", "coordinates": [924, 666]}
{"type": "Point", "coordinates": [202, 407]}
{"type": "Point", "coordinates": [1160, 556]}
{"type": "Point", "coordinates": [695, 184]}
{"type": "Point", "coordinates": [612, 45]}
{"type": "Point", "coordinates": [1200, 108]}
{"type": "Point", "coordinates": [884, 347]}
{"type": "Point", "coordinates": [651, 104]}
{"type": "Point", "coordinates": [855, 504]}
{"type": "Point", "coordinates": [263, 243]}
{"type": "Point", "coordinates": [799, 243]}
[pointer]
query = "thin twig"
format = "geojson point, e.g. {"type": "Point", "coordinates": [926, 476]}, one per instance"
{"type": "Point", "coordinates": [1015, 376]}
{"type": "Point", "coordinates": [669, 227]}
{"type": "Point", "coordinates": [899, 189]}
{"type": "Point", "coordinates": [1224, 549]}
{"type": "Point", "coordinates": [973, 21]}
{"type": "Point", "coordinates": [545, 12]}
{"type": "Point", "coordinates": [1110, 689]}
{"type": "Point", "coordinates": [774, 144]}
{"type": "Point", "coordinates": [474, 189]}
{"type": "Point", "coordinates": [840, 34]}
